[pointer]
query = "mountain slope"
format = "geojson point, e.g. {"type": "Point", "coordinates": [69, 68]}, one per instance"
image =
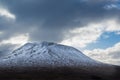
{"type": "Point", "coordinates": [48, 54]}
{"type": "Point", "coordinates": [43, 58]}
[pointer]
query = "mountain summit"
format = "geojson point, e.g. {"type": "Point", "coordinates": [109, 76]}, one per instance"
{"type": "Point", "coordinates": [48, 54]}
{"type": "Point", "coordinates": [46, 57]}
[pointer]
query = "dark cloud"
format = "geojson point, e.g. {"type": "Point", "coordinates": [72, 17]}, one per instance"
{"type": "Point", "coordinates": [48, 20]}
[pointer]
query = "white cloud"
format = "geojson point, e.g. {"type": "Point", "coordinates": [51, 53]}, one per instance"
{"type": "Point", "coordinates": [81, 37]}
{"type": "Point", "coordinates": [5, 13]}
{"type": "Point", "coordinates": [112, 25]}
{"type": "Point", "coordinates": [18, 40]}
{"type": "Point", "coordinates": [109, 55]}
{"type": "Point", "coordinates": [1, 33]}
{"type": "Point", "coordinates": [111, 6]}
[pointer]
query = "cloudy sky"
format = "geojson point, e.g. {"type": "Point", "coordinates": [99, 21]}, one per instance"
{"type": "Point", "coordinates": [93, 26]}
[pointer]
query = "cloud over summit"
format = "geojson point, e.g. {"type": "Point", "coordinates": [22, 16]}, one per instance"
{"type": "Point", "coordinates": [49, 19]}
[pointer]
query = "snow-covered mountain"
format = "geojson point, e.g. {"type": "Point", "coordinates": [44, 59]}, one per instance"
{"type": "Point", "coordinates": [47, 54]}
{"type": "Point", "coordinates": [37, 56]}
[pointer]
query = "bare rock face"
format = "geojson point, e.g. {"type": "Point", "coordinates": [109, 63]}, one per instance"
{"type": "Point", "coordinates": [51, 61]}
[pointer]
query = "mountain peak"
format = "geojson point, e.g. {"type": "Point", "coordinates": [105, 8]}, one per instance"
{"type": "Point", "coordinates": [47, 53]}
{"type": "Point", "coordinates": [47, 43]}
{"type": "Point", "coordinates": [52, 56]}
{"type": "Point", "coordinates": [44, 43]}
